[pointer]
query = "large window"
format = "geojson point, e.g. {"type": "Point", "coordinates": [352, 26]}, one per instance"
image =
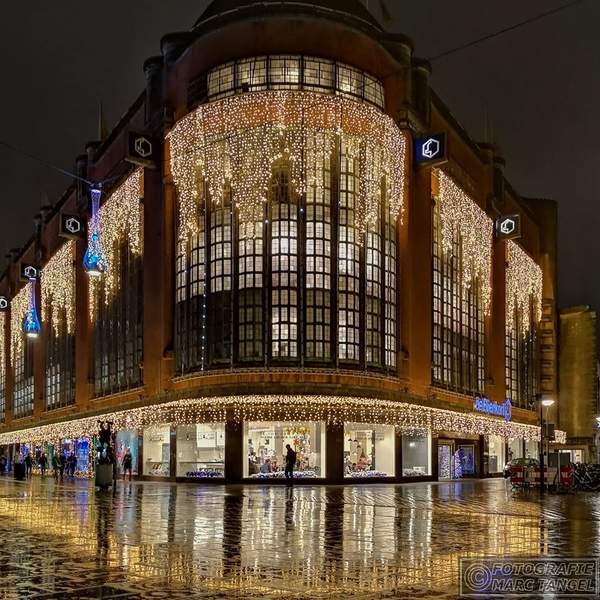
{"type": "Point", "coordinates": [294, 73]}
{"type": "Point", "coordinates": [458, 318]}
{"type": "Point", "coordinates": [416, 455]}
{"type": "Point", "coordinates": [118, 326]}
{"type": "Point", "coordinates": [266, 448]}
{"type": "Point", "coordinates": [23, 380]}
{"type": "Point", "coordinates": [521, 371]}
{"type": "Point", "coordinates": [201, 450]}
{"type": "Point", "coordinates": [369, 450]}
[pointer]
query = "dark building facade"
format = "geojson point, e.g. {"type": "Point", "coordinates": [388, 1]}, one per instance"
{"type": "Point", "coordinates": [282, 267]}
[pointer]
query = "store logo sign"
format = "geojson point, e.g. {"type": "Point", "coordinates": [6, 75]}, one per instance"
{"type": "Point", "coordinates": [71, 226]}
{"type": "Point", "coordinates": [508, 227]}
{"type": "Point", "coordinates": [486, 406]}
{"type": "Point", "coordinates": [142, 148]}
{"type": "Point", "coordinates": [29, 271]}
{"type": "Point", "coordinates": [430, 150]}
{"type": "Point", "coordinates": [4, 303]}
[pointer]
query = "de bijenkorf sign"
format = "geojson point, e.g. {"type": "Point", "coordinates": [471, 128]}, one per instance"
{"type": "Point", "coordinates": [485, 405]}
{"type": "Point", "coordinates": [430, 150]}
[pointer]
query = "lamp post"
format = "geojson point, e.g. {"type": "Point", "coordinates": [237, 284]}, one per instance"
{"type": "Point", "coordinates": [547, 403]}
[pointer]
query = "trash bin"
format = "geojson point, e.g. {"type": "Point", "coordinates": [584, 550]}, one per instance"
{"type": "Point", "coordinates": [19, 469]}
{"type": "Point", "coordinates": [104, 476]}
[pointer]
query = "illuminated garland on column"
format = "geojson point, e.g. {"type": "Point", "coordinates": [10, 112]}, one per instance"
{"type": "Point", "coordinates": [407, 418]}
{"type": "Point", "coordinates": [524, 280]}
{"type": "Point", "coordinates": [461, 216]}
{"type": "Point", "coordinates": [19, 306]}
{"type": "Point", "coordinates": [58, 288]}
{"type": "Point", "coordinates": [120, 220]}
{"type": "Point", "coordinates": [239, 139]}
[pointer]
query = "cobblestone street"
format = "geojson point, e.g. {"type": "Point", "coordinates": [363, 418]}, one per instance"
{"type": "Point", "coordinates": [151, 540]}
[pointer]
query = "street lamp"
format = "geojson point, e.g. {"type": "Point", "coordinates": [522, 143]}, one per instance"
{"type": "Point", "coordinates": [547, 403]}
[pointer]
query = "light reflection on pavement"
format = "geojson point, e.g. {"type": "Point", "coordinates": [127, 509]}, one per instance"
{"type": "Point", "coordinates": [156, 540]}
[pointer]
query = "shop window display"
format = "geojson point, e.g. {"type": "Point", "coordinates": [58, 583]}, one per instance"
{"type": "Point", "coordinates": [515, 448]}
{"type": "Point", "coordinates": [157, 450]}
{"type": "Point", "coordinates": [266, 449]}
{"type": "Point", "coordinates": [128, 440]}
{"type": "Point", "coordinates": [368, 450]}
{"type": "Point", "coordinates": [497, 451]}
{"type": "Point", "coordinates": [532, 449]}
{"type": "Point", "coordinates": [416, 455]}
{"type": "Point", "coordinates": [201, 450]}
{"type": "Point", "coordinates": [81, 449]}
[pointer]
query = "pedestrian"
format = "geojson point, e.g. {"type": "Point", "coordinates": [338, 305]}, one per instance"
{"type": "Point", "coordinates": [290, 462]}
{"type": "Point", "coordinates": [56, 466]}
{"type": "Point", "coordinates": [63, 464]}
{"type": "Point", "coordinates": [28, 465]}
{"type": "Point", "coordinates": [71, 464]}
{"type": "Point", "coordinates": [2, 464]}
{"type": "Point", "coordinates": [127, 462]}
{"type": "Point", "coordinates": [43, 463]}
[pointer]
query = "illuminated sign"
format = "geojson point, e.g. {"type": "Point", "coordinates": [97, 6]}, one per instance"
{"type": "Point", "coordinates": [71, 226]}
{"type": "Point", "coordinates": [142, 148]}
{"type": "Point", "coordinates": [430, 150]}
{"type": "Point", "coordinates": [508, 227]}
{"type": "Point", "coordinates": [4, 303]}
{"type": "Point", "coordinates": [485, 405]}
{"type": "Point", "coordinates": [29, 271]}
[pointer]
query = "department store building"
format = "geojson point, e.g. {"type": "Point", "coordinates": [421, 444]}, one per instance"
{"type": "Point", "coordinates": [294, 242]}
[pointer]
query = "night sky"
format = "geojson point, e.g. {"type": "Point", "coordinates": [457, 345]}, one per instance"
{"type": "Point", "coordinates": [540, 84]}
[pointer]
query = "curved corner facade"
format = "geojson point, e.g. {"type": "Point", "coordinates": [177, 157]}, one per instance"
{"type": "Point", "coordinates": [301, 246]}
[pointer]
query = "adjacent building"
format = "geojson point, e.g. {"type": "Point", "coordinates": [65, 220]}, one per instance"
{"type": "Point", "coordinates": [290, 240]}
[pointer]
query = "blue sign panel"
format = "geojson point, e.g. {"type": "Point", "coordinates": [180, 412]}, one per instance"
{"type": "Point", "coordinates": [485, 405]}
{"type": "Point", "coordinates": [430, 150]}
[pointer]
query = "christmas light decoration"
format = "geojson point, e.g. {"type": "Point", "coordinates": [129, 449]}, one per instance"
{"type": "Point", "coordinates": [31, 324]}
{"type": "Point", "coordinates": [460, 215]}
{"type": "Point", "coordinates": [58, 288]}
{"type": "Point", "coordinates": [237, 141]}
{"type": "Point", "coordinates": [524, 280]}
{"type": "Point", "coordinates": [3, 346]}
{"type": "Point", "coordinates": [120, 221]}
{"type": "Point", "coordinates": [407, 418]}
{"type": "Point", "coordinates": [94, 262]}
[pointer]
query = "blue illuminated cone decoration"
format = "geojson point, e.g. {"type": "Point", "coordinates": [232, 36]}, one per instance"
{"type": "Point", "coordinates": [31, 324]}
{"type": "Point", "coordinates": [94, 262]}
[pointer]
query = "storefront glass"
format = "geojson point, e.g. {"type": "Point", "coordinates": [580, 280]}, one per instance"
{"type": "Point", "coordinates": [369, 450]}
{"type": "Point", "coordinates": [532, 449]}
{"type": "Point", "coordinates": [81, 448]}
{"type": "Point", "coordinates": [416, 455]}
{"type": "Point", "coordinates": [157, 451]}
{"type": "Point", "coordinates": [497, 454]}
{"type": "Point", "coordinates": [128, 440]}
{"type": "Point", "coordinates": [515, 448]}
{"type": "Point", "coordinates": [266, 449]}
{"type": "Point", "coordinates": [201, 450]}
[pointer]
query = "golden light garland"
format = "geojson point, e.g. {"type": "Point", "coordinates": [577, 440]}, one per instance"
{"type": "Point", "coordinates": [19, 306]}
{"type": "Point", "coordinates": [461, 216]}
{"type": "Point", "coordinates": [120, 220]}
{"type": "Point", "coordinates": [3, 347]}
{"type": "Point", "coordinates": [560, 437]}
{"type": "Point", "coordinates": [524, 281]}
{"type": "Point", "coordinates": [58, 288]}
{"type": "Point", "coordinates": [408, 418]}
{"type": "Point", "coordinates": [239, 139]}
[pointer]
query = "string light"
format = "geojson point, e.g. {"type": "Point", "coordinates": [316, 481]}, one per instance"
{"type": "Point", "coordinates": [119, 219]}
{"type": "Point", "coordinates": [461, 217]}
{"type": "Point", "coordinates": [237, 140]}
{"type": "Point", "coordinates": [19, 307]}
{"type": "Point", "coordinates": [524, 280]}
{"type": "Point", "coordinates": [58, 288]}
{"type": "Point", "coordinates": [407, 418]}
{"type": "Point", "coordinates": [3, 347]}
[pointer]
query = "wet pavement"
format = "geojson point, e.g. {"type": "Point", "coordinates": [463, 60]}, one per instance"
{"type": "Point", "coordinates": [158, 540]}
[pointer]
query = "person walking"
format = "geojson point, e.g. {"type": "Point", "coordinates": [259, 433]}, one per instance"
{"type": "Point", "coordinates": [290, 462]}
{"type": "Point", "coordinates": [56, 465]}
{"type": "Point", "coordinates": [28, 465]}
{"type": "Point", "coordinates": [71, 464]}
{"type": "Point", "coordinates": [43, 463]}
{"type": "Point", "coordinates": [3, 464]}
{"type": "Point", "coordinates": [127, 462]}
{"type": "Point", "coordinates": [63, 464]}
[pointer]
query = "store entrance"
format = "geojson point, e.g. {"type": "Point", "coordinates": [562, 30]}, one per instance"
{"type": "Point", "coordinates": [445, 460]}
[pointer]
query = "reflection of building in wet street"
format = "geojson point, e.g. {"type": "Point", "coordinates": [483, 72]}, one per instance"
{"type": "Point", "coordinates": [295, 243]}
{"type": "Point", "coordinates": [318, 542]}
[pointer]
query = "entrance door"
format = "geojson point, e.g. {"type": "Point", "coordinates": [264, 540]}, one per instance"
{"type": "Point", "coordinates": [445, 459]}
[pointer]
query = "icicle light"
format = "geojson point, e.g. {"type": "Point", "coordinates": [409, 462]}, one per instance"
{"type": "Point", "coordinates": [58, 288]}
{"type": "Point", "coordinates": [238, 140]}
{"type": "Point", "coordinates": [120, 220]}
{"type": "Point", "coordinates": [461, 215]}
{"type": "Point", "coordinates": [408, 418]}
{"type": "Point", "coordinates": [2, 345]}
{"type": "Point", "coordinates": [524, 282]}
{"type": "Point", "coordinates": [19, 307]}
